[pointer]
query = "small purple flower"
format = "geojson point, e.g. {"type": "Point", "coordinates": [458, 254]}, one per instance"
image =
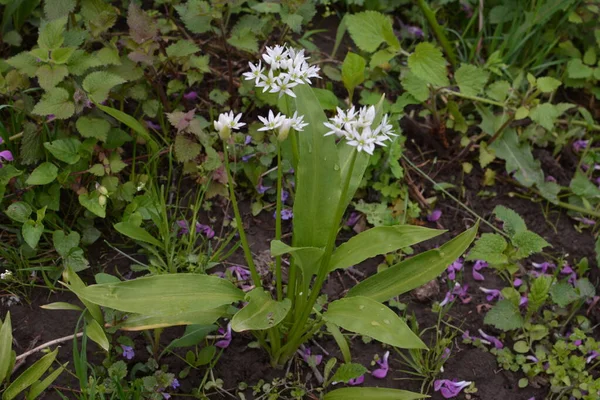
{"type": "Point", "coordinates": [128, 352]}
{"type": "Point", "coordinates": [50, 118]}
{"type": "Point", "coordinates": [550, 178]}
{"type": "Point", "coordinates": [492, 339]}
{"type": "Point", "coordinates": [447, 299]}
{"type": "Point", "coordinates": [454, 268]}
{"type": "Point", "coordinates": [286, 214]}
{"type": "Point", "coordinates": [524, 301]}
{"type": "Point", "coordinates": [580, 145]}
{"type": "Point", "coordinates": [446, 353]}
{"type": "Point", "coordinates": [183, 227]}
{"type": "Point", "coordinates": [567, 270]}
{"type": "Point", "coordinates": [284, 196]}
{"type": "Point", "coordinates": [434, 216]}
{"type": "Point", "coordinates": [356, 381]}
{"type": "Point", "coordinates": [175, 384]}
{"type": "Point", "coordinates": [262, 189]}
{"type": "Point", "coordinates": [461, 292]}
{"type": "Point", "coordinates": [247, 157]}
{"type": "Point", "coordinates": [532, 359]}
{"type": "Point", "coordinates": [542, 267]}
{"type": "Point", "coordinates": [240, 272]}
{"type": "Point", "coordinates": [517, 282]}
{"type": "Point", "coordinates": [477, 267]}
{"type": "Point", "coordinates": [492, 294]}
{"type": "Point", "coordinates": [415, 31]}
{"type": "Point", "coordinates": [578, 342]}
{"type": "Point", "coordinates": [585, 221]}
{"type": "Point", "coordinates": [152, 125]}
{"type": "Point", "coordinates": [248, 140]}
{"type": "Point", "coordinates": [226, 341]}
{"type": "Point", "coordinates": [381, 372]}
{"type": "Point", "coordinates": [353, 218]}
{"type": "Point", "coordinates": [467, 336]}
{"type": "Point", "coordinates": [190, 95]}
{"type": "Point", "coordinates": [5, 155]}
{"type": "Point", "coordinates": [449, 389]}
{"type": "Point", "coordinates": [205, 230]}
{"type": "Point", "coordinates": [166, 396]}
{"type": "Point", "coordinates": [307, 357]}
{"type": "Point", "coordinates": [591, 356]}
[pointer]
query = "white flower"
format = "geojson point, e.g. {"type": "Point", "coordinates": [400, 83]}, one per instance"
{"type": "Point", "coordinates": [256, 73]}
{"type": "Point", "coordinates": [336, 125]}
{"type": "Point", "coordinates": [298, 122]}
{"type": "Point", "coordinates": [275, 55]}
{"type": "Point", "coordinates": [5, 275]}
{"type": "Point", "coordinates": [267, 81]}
{"type": "Point", "coordinates": [272, 122]}
{"type": "Point", "coordinates": [366, 115]}
{"type": "Point", "coordinates": [363, 141]}
{"type": "Point", "coordinates": [226, 123]}
{"type": "Point", "coordinates": [311, 72]}
{"type": "Point", "coordinates": [283, 85]}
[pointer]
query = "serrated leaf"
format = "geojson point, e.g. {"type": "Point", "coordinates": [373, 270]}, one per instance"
{"type": "Point", "coordinates": [98, 16]}
{"type": "Point", "coordinates": [31, 149]}
{"type": "Point", "coordinates": [66, 150]}
{"type": "Point", "coordinates": [490, 248]}
{"type": "Point", "coordinates": [182, 48]}
{"type": "Point", "coordinates": [528, 243]}
{"type": "Point", "coordinates": [51, 75]}
{"type": "Point", "coordinates": [141, 26]}
{"type": "Point", "coordinates": [498, 90]}
{"type": "Point", "coordinates": [90, 127]}
{"type": "Point", "coordinates": [538, 292]}
{"type": "Point", "coordinates": [57, 102]}
{"type": "Point", "coordinates": [98, 84]}
{"type": "Point", "coordinates": [471, 79]}
{"type": "Point", "coordinates": [547, 84]}
{"type": "Point", "coordinates": [186, 149]}
{"type": "Point", "coordinates": [45, 173]}
{"type": "Point", "coordinates": [244, 40]}
{"type": "Point", "coordinates": [25, 63]}
{"type": "Point", "coordinates": [563, 294]}
{"type": "Point", "coordinates": [428, 63]}
{"type": "Point", "coordinates": [369, 29]}
{"type": "Point", "coordinates": [576, 69]}
{"type": "Point", "coordinates": [416, 86]}
{"type": "Point", "coordinates": [51, 34]}
{"type": "Point", "coordinates": [348, 371]}
{"type": "Point", "coordinates": [545, 114]}
{"type": "Point", "coordinates": [581, 186]}
{"type": "Point", "coordinates": [54, 9]}
{"type": "Point", "coordinates": [519, 159]}
{"type": "Point", "coordinates": [513, 223]}
{"type": "Point", "coordinates": [196, 15]}
{"type": "Point", "coordinates": [486, 155]}
{"type": "Point", "coordinates": [504, 316]}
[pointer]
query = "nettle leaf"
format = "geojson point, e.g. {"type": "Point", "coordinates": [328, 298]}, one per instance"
{"type": "Point", "coordinates": [547, 84]}
{"type": "Point", "coordinates": [66, 150]}
{"type": "Point", "coordinates": [498, 90]}
{"type": "Point", "coordinates": [93, 127]}
{"type": "Point", "coordinates": [416, 86]}
{"type": "Point", "coordinates": [244, 39]}
{"type": "Point", "coordinates": [99, 83]}
{"type": "Point", "coordinates": [196, 15]}
{"type": "Point", "coordinates": [51, 34]}
{"type": "Point", "coordinates": [57, 102]}
{"type": "Point", "coordinates": [186, 149]}
{"type": "Point", "coordinates": [513, 223]}
{"type": "Point", "coordinates": [538, 293]}
{"type": "Point", "coordinates": [428, 63]}
{"type": "Point", "coordinates": [563, 294]}
{"type": "Point", "coordinates": [51, 75]}
{"type": "Point", "coordinates": [43, 174]}
{"type": "Point", "coordinates": [62, 55]}
{"type": "Point", "coordinates": [58, 8]}
{"type": "Point", "coordinates": [576, 69]}
{"type": "Point", "coordinates": [25, 63]}
{"type": "Point", "coordinates": [182, 48]}
{"type": "Point", "coordinates": [586, 289]}
{"type": "Point", "coordinates": [369, 29]}
{"type": "Point", "coordinates": [471, 79]}
{"type": "Point", "coordinates": [519, 159]}
{"type": "Point", "coordinates": [528, 243]}
{"type": "Point", "coordinates": [31, 150]}
{"type": "Point", "coordinates": [98, 16]}
{"type": "Point", "coordinates": [141, 25]}
{"type": "Point", "coordinates": [581, 186]}
{"type": "Point", "coordinates": [490, 248]}
{"type": "Point", "coordinates": [353, 71]}
{"type": "Point", "coordinates": [504, 316]}
{"type": "Point", "coordinates": [545, 115]}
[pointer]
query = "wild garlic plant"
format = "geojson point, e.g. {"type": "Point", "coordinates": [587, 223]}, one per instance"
{"type": "Point", "coordinates": [331, 158]}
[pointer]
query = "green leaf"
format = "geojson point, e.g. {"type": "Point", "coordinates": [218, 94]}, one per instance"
{"type": "Point", "coordinates": [348, 371]}
{"type": "Point", "coordinates": [136, 233]}
{"type": "Point", "coordinates": [428, 64]}
{"type": "Point", "coordinates": [196, 15]}
{"type": "Point", "coordinates": [563, 294]}
{"type": "Point", "coordinates": [490, 248]}
{"type": "Point", "coordinates": [6, 356]}
{"type": "Point", "coordinates": [182, 48]}
{"type": "Point", "coordinates": [360, 393]}
{"type": "Point", "coordinates": [369, 29]}
{"type": "Point", "coordinates": [192, 335]}
{"type": "Point", "coordinates": [513, 223]}
{"type": "Point", "coordinates": [377, 241]}
{"type": "Point", "coordinates": [369, 317]}
{"type": "Point", "coordinates": [414, 272]}
{"type": "Point", "coordinates": [30, 376]}
{"type": "Point", "coordinates": [61, 306]}
{"type": "Point", "coordinates": [137, 322]}
{"type": "Point", "coordinates": [43, 174]}
{"type": "Point", "coordinates": [521, 347]}
{"type": "Point", "coordinates": [65, 243]}
{"type": "Point", "coordinates": [40, 387]}
{"type": "Point", "coordinates": [57, 102]}
{"type": "Point", "coordinates": [32, 232]}
{"type": "Point", "coordinates": [141, 25]}
{"type": "Point", "coordinates": [528, 243]}
{"type": "Point", "coordinates": [547, 84]}
{"type": "Point", "coordinates": [545, 114]}
{"type": "Point", "coordinates": [173, 294]}
{"type": "Point", "coordinates": [504, 316]}
{"type": "Point", "coordinates": [95, 332]}
{"type": "Point", "coordinates": [31, 150]}
{"type": "Point", "coordinates": [341, 341]}
{"type": "Point", "coordinates": [576, 69]}
{"type": "Point", "coordinates": [76, 284]}
{"type": "Point", "coordinates": [581, 186]}
{"type": "Point", "coordinates": [92, 203]}
{"type": "Point", "coordinates": [498, 90]}
{"type": "Point", "coordinates": [19, 211]}
{"type": "Point", "coordinates": [98, 16]}
{"type": "Point", "coordinates": [327, 98]}
{"type": "Point", "coordinates": [244, 39]}
{"type": "Point", "coordinates": [51, 75]}
{"type": "Point", "coordinates": [131, 123]}
{"type": "Point", "coordinates": [353, 71]}
{"type": "Point", "coordinates": [93, 128]}
{"type": "Point", "coordinates": [51, 34]}
{"type": "Point", "coordinates": [261, 312]}
{"type": "Point", "coordinates": [471, 79]}
{"type": "Point", "coordinates": [416, 86]}
{"type": "Point", "coordinates": [66, 150]}
{"type": "Point", "coordinates": [519, 158]}
{"type": "Point", "coordinates": [99, 83]}
{"type": "Point", "coordinates": [59, 8]}
{"type": "Point", "coordinates": [538, 292]}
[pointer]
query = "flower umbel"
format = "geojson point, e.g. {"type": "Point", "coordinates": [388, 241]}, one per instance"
{"type": "Point", "coordinates": [226, 123]}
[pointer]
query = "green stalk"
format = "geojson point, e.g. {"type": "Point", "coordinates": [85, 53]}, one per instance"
{"type": "Point", "coordinates": [293, 137]}
{"type": "Point", "coordinates": [297, 331]}
{"type": "Point", "coordinates": [239, 223]}
{"type": "Point", "coordinates": [438, 31]}
{"type": "Point", "coordinates": [278, 277]}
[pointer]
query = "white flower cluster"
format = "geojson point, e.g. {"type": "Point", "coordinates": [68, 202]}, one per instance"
{"type": "Point", "coordinates": [287, 69]}
{"type": "Point", "coordinates": [227, 122]}
{"type": "Point", "coordinates": [5, 275]}
{"type": "Point", "coordinates": [357, 128]}
{"type": "Point", "coordinates": [282, 123]}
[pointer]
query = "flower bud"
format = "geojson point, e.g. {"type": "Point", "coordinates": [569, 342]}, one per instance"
{"type": "Point", "coordinates": [284, 129]}
{"type": "Point", "coordinates": [102, 190]}
{"type": "Point", "coordinates": [102, 200]}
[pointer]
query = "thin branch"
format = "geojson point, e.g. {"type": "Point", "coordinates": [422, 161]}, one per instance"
{"type": "Point", "coordinates": [48, 344]}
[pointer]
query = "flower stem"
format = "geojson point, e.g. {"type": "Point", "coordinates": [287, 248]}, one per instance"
{"type": "Point", "coordinates": [293, 137]}
{"type": "Point", "coordinates": [438, 32]}
{"type": "Point", "coordinates": [278, 277]}
{"type": "Point", "coordinates": [239, 223]}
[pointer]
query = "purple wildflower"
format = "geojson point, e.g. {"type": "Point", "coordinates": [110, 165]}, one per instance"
{"type": "Point", "coordinates": [50, 118]}
{"type": "Point", "coordinates": [262, 189]}
{"type": "Point", "coordinates": [517, 282]}
{"type": "Point", "coordinates": [460, 291]}
{"type": "Point", "coordinates": [248, 140]}
{"type": "Point", "coordinates": [128, 352]}
{"type": "Point", "coordinates": [165, 396]}
{"type": "Point", "coordinates": [543, 267]}
{"type": "Point", "coordinates": [240, 272]}
{"type": "Point", "coordinates": [307, 357]}
{"type": "Point", "coordinates": [5, 155]}
{"type": "Point", "coordinates": [550, 178]}
{"type": "Point", "coordinates": [434, 216]}
{"type": "Point", "coordinates": [467, 336]}
{"type": "Point", "coordinates": [247, 157]}
{"type": "Point", "coordinates": [190, 95]}
{"type": "Point", "coordinates": [205, 230]}
{"type": "Point", "coordinates": [578, 342]}
{"type": "Point", "coordinates": [415, 31]}
{"type": "Point", "coordinates": [356, 381]}
{"type": "Point", "coordinates": [492, 294]}
{"type": "Point", "coordinates": [286, 214]}
{"type": "Point", "coordinates": [183, 227]}
{"type": "Point", "coordinates": [532, 359]}
{"type": "Point", "coordinates": [226, 341]}
{"type": "Point", "coordinates": [447, 299]}
{"type": "Point", "coordinates": [175, 384]}
{"type": "Point", "coordinates": [567, 270]}
{"type": "Point", "coordinates": [580, 145]}
{"type": "Point", "coordinates": [591, 356]}
{"type": "Point", "coordinates": [585, 221]}
{"type": "Point", "coordinates": [152, 125]}
{"type": "Point", "coordinates": [384, 367]}
{"type": "Point", "coordinates": [284, 196]}
{"type": "Point", "coordinates": [478, 266]}
{"type": "Point", "coordinates": [454, 268]}
{"type": "Point", "coordinates": [524, 301]}
{"type": "Point", "coordinates": [446, 353]}
{"type": "Point", "coordinates": [449, 389]}
{"type": "Point", "coordinates": [353, 218]}
{"type": "Point", "coordinates": [492, 339]}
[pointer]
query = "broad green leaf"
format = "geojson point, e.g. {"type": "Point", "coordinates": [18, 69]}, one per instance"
{"type": "Point", "coordinates": [369, 29]}
{"type": "Point", "coordinates": [581, 186]}
{"type": "Point", "coordinates": [504, 316]}
{"type": "Point", "coordinates": [76, 283]}
{"type": "Point", "coordinates": [182, 48]}
{"type": "Point", "coordinates": [576, 69]}
{"type": "Point", "coordinates": [471, 79]}
{"type": "Point", "coordinates": [563, 294]}
{"type": "Point", "coordinates": [95, 332]}
{"type": "Point", "coordinates": [545, 114]}
{"type": "Point", "coordinates": [141, 25]}
{"type": "Point", "coordinates": [318, 175]}
{"type": "Point", "coordinates": [92, 203]}
{"type": "Point", "coordinates": [136, 233]}
{"type": "Point", "coordinates": [136, 322]}
{"type": "Point", "coordinates": [519, 158]}
{"type": "Point", "coordinates": [547, 84]}
{"type": "Point", "coordinates": [416, 86]}
{"type": "Point", "coordinates": [513, 223]}
{"type": "Point", "coordinates": [131, 123]}
{"type": "Point", "coordinates": [19, 211]}
{"type": "Point", "coordinates": [306, 257]}
{"type": "Point", "coordinates": [32, 232]}
{"type": "Point", "coordinates": [261, 312]}
{"type": "Point", "coordinates": [498, 90]}
{"type": "Point", "coordinates": [59, 8]}
{"type": "Point", "coordinates": [348, 371]}
{"type": "Point", "coordinates": [192, 335]}
{"type": "Point", "coordinates": [51, 75]}
{"type": "Point", "coordinates": [196, 15]}
{"type": "Point", "coordinates": [65, 243]}
{"type": "Point", "coordinates": [372, 393]}
{"type": "Point", "coordinates": [360, 166]}
{"type": "Point", "coordinates": [414, 272]}
{"type": "Point", "coordinates": [98, 16]}
{"type": "Point", "coordinates": [585, 288]}
{"type": "Point", "coordinates": [66, 150]}
{"type": "Point", "coordinates": [93, 128]}
{"type": "Point", "coordinates": [538, 292]}
{"type": "Point", "coordinates": [428, 64]}
{"type": "Point", "coordinates": [61, 306]}
{"type": "Point", "coordinates": [5, 347]}
{"type": "Point", "coordinates": [369, 317]}
{"type": "Point", "coordinates": [30, 376]}
{"type": "Point", "coordinates": [97, 85]}
{"type": "Point", "coordinates": [490, 248]}
{"type": "Point", "coordinates": [353, 71]}
{"type": "Point", "coordinates": [40, 386]}
{"type": "Point", "coordinates": [186, 149]}
{"type": "Point", "coordinates": [327, 98]}
{"type": "Point", "coordinates": [51, 34]}
{"type": "Point", "coordinates": [341, 341]}
{"type": "Point", "coordinates": [168, 294]}
{"type": "Point", "coordinates": [379, 240]}
{"type": "Point", "coordinates": [57, 102]}
{"type": "Point", "coordinates": [528, 243]}
{"type": "Point", "coordinates": [45, 173]}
